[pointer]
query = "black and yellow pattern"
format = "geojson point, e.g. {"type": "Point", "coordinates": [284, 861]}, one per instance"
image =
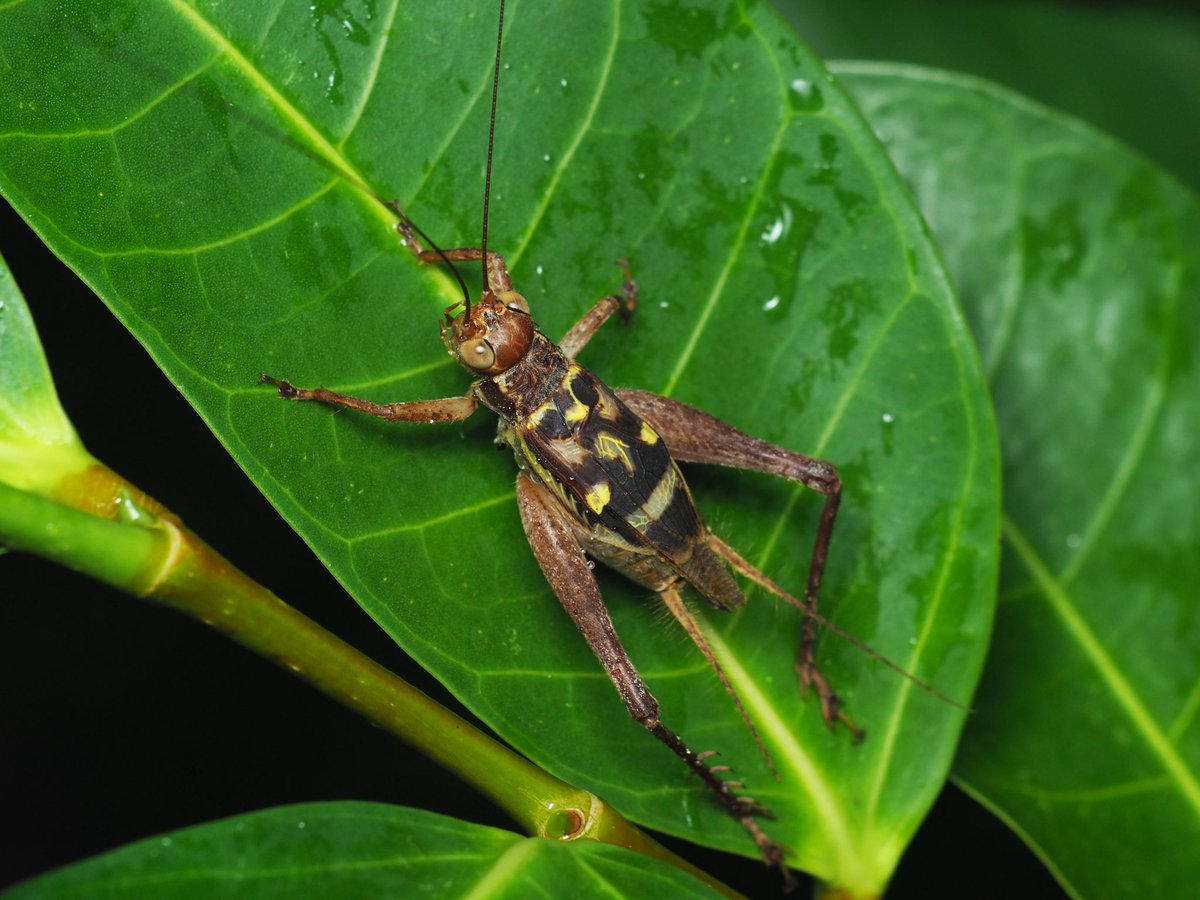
{"type": "Point", "coordinates": [609, 468]}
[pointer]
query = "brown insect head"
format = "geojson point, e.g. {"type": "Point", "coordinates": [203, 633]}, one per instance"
{"type": "Point", "coordinates": [491, 336]}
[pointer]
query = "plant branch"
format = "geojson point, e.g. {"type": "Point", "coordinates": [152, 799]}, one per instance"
{"type": "Point", "coordinates": [98, 523]}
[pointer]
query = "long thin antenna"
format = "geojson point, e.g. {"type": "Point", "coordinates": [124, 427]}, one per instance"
{"type": "Point", "coordinates": [487, 181]}
{"type": "Point", "coordinates": [732, 557]}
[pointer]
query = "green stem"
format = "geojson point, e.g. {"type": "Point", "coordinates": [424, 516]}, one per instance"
{"type": "Point", "coordinates": [101, 525]}
{"type": "Point", "coordinates": [110, 551]}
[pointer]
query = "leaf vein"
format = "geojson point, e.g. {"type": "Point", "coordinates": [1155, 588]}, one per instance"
{"type": "Point", "coordinates": [372, 76]}
{"type": "Point", "coordinates": [435, 521]}
{"type": "Point", "coordinates": [286, 108]}
{"type": "Point", "coordinates": [1139, 440]}
{"type": "Point", "coordinates": [1062, 604]}
{"type": "Point", "coordinates": [584, 129]}
{"type": "Point", "coordinates": [108, 131]}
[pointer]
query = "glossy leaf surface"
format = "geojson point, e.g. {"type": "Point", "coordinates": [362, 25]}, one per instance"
{"type": "Point", "coordinates": [360, 850]}
{"type": "Point", "coordinates": [1079, 267]}
{"type": "Point", "coordinates": [203, 167]}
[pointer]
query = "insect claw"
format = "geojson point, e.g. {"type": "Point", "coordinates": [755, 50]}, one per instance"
{"type": "Point", "coordinates": [857, 735]}
{"type": "Point", "coordinates": [407, 238]}
{"type": "Point", "coordinates": [629, 291]}
{"type": "Point", "coordinates": [754, 808]}
{"type": "Point", "coordinates": [286, 390]}
{"type": "Point", "coordinates": [707, 754]}
{"type": "Point", "coordinates": [831, 704]}
{"type": "Point", "coordinates": [772, 854]}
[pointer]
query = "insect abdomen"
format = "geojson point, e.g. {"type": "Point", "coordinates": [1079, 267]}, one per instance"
{"type": "Point", "coordinates": [612, 463]}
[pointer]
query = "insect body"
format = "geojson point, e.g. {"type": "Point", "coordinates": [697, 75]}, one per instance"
{"type": "Point", "coordinates": [599, 477]}
{"type": "Point", "coordinates": [629, 503]}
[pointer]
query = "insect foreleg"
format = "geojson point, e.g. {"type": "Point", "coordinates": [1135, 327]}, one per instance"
{"type": "Point", "coordinates": [581, 332]}
{"type": "Point", "coordinates": [695, 436]}
{"type": "Point", "coordinates": [452, 409]}
{"type": "Point", "coordinates": [552, 536]}
{"type": "Point", "coordinates": [498, 277]}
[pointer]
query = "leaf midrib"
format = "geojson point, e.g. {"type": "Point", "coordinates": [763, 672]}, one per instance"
{"type": "Point", "coordinates": [303, 124]}
{"type": "Point", "coordinates": [1123, 692]}
{"type": "Point", "coordinates": [585, 127]}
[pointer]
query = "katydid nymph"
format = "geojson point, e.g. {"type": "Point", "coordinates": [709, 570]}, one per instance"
{"type": "Point", "coordinates": [598, 477]}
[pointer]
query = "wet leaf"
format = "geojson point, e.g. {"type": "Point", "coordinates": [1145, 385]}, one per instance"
{"type": "Point", "coordinates": [359, 850]}
{"type": "Point", "coordinates": [1078, 264]}
{"type": "Point", "coordinates": [206, 169]}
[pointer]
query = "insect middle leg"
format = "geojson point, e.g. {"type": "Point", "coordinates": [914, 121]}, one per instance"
{"type": "Point", "coordinates": [554, 542]}
{"type": "Point", "coordinates": [695, 436]}
{"type": "Point", "coordinates": [581, 332]}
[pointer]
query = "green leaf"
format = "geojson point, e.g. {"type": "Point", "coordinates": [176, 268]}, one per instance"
{"type": "Point", "coordinates": [1079, 267]}
{"type": "Point", "coordinates": [360, 850]}
{"type": "Point", "coordinates": [37, 443]}
{"type": "Point", "coordinates": [38, 450]}
{"type": "Point", "coordinates": [203, 168]}
{"type": "Point", "coordinates": [1125, 68]}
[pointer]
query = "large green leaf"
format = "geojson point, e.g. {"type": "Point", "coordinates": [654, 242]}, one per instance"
{"type": "Point", "coordinates": [203, 166]}
{"type": "Point", "coordinates": [1079, 264]}
{"type": "Point", "coordinates": [360, 850]}
{"type": "Point", "coordinates": [1077, 57]}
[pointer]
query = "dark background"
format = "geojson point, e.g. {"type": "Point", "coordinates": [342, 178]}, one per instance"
{"type": "Point", "coordinates": [122, 720]}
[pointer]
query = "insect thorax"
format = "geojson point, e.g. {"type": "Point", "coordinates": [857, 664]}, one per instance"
{"type": "Point", "coordinates": [516, 393]}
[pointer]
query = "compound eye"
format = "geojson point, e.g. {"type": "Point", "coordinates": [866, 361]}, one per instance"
{"type": "Point", "coordinates": [513, 300]}
{"type": "Point", "coordinates": [477, 353]}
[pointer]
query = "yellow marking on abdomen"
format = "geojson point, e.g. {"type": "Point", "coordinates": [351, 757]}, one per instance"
{"type": "Point", "coordinates": [639, 520]}
{"type": "Point", "coordinates": [597, 498]}
{"type": "Point", "coordinates": [609, 447]}
{"type": "Point", "coordinates": [575, 413]}
{"type": "Point", "coordinates": [660, 498]}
